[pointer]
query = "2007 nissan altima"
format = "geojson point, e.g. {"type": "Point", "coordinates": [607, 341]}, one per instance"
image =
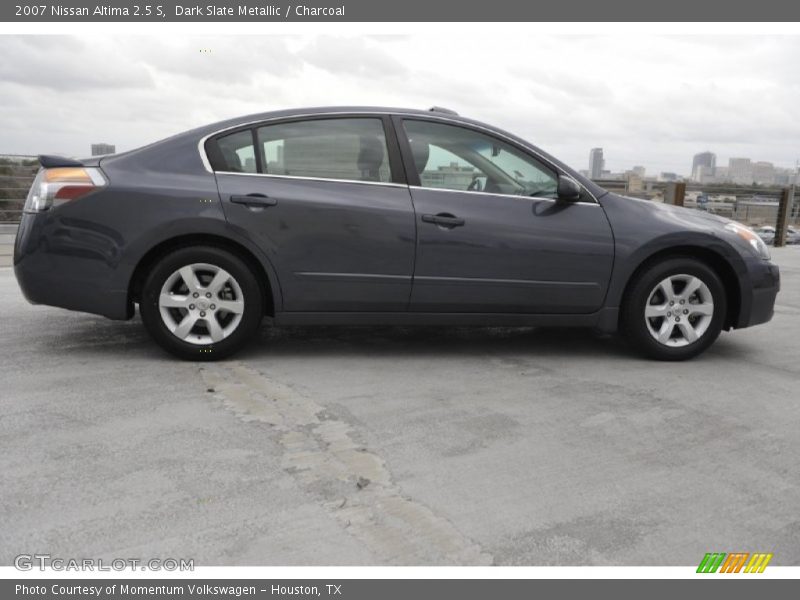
{"type": "Point", "coordinates": [376, 216]}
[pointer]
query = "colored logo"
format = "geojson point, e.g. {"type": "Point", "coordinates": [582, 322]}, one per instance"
{"type": "Point", "coordinates": [735, 562]}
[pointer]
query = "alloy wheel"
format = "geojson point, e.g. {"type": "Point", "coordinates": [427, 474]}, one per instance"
{"type": "Point", "coordinates": [201, 304]}
{"type": "Point", "coordinates": [679, 310]}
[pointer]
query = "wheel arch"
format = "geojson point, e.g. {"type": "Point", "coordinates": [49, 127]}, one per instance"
{"type": "Point", "coordinates": [269, 285]}
{"type": "Point", "coordinates": [711, 257]}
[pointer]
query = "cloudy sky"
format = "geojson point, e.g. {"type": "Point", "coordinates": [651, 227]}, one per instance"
{"type": "Point", "coordinates": [647, 100]}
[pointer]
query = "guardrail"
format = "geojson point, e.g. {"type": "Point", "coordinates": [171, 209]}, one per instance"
{"type": "Point", "coordinates": [16, 176]}
{"type": "Point", "coordinates": [752, 205]}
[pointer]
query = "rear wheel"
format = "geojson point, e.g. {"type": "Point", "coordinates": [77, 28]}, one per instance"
{"type": "Point", "coordinates": [674, 309]}
{"type": "Point", "coordinates": [201, 303]}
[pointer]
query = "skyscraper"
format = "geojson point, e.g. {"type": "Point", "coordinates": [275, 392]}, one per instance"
{"type": "Point", "coordinates": [703, 165]}
{"type": "Point", "coordinates": [596, 163]}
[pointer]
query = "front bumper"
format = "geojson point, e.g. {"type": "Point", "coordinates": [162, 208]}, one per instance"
{"type": "Point", "coordinates": [758, 302]}
{"type": "Point", "coordinates": [70, 265]}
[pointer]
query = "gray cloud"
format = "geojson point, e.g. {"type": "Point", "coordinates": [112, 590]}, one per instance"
{"type": "Point", "coordinates": [218, 59]}
{"type": "Point", "coordinates": [354, 57]}
{"type": "Point", "coordinates": [652, 100]}
{"type": "Point", "coordinates": [67, 64]}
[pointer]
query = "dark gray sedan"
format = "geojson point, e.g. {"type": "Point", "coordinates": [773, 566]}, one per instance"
{"type": "Point", "coordinates": [376, 216]}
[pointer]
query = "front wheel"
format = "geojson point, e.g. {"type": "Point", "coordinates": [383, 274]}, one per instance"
{"type": "Point", "coordinates": [201, 303]}
{"type": "Point", "coordinates": [674, 309]}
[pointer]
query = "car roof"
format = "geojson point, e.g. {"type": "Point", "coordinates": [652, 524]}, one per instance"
{"type": "Point", "coordinates": [327, 110]}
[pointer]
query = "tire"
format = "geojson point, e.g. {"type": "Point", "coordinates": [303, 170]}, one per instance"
{"type": "Point", "coordinates": [665, 334]}
{"type": "Point", "coordinates": [213, 318]}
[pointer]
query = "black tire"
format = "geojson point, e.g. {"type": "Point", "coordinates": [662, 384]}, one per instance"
{"type": "Point", "coordinates": [240, 334]}
{"type": "Point", "coordinates": [634, 325]}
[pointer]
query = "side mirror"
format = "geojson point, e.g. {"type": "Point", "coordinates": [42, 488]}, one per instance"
{"type": "Point", "coordinates": [568, 189]}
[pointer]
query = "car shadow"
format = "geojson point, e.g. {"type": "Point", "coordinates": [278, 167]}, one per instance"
{"type": "Point", "coordinates": [94, 335]}
{"type": "Point", "coordinates": [370, 341]}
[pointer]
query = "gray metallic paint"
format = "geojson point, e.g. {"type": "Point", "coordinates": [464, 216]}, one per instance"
{"type": "Point", "coordinates": [336, 245]}
{"type": "Point", "coordinates": [345, 252]}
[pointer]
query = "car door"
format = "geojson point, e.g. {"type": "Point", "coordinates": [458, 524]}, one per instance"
{"type": "Point", "coordinates": [491, 235]}
{"type": "Point", "coordinates": [326, 200]}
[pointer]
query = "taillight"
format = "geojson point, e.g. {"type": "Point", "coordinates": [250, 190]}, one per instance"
{"type": "Point", "coordinates": [62, 184]}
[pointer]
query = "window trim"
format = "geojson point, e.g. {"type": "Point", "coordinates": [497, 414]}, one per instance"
{"type": "Point", "coordinates": [396, 118]}
{"type": "Point", "coordinates": [325, 179]}
{"type": "Point", "coordinates": [493, 194]}
{"type": "Point", "coordinates": [397, 173]}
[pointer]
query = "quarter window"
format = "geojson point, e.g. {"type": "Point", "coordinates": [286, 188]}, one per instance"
{"type": "Point", "coordinates": [457, 158]}
{"type": "Point", "coordinates": [237, 152]}
{"type": "Point", "coordinates": [353, 149]}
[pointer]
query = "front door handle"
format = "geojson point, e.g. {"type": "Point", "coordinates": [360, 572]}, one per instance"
{"type": "Point", "coordinates": [444, 220]}
{"type": "Point", "coordinates": [255, 200]}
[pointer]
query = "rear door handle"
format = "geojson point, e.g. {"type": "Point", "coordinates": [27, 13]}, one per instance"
{"type": "Point", "coordinates": [443, 220]}
{"type": "Point", "coordinates": [255, 200]}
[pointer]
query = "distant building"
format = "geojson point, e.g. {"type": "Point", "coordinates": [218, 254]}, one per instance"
{"type": "Point", "coordinates": [785, 177]}
{"type": "Point", "coordinates": [100, 149]}
{"type": "Point", "coordinates": [639, 171]}
{"type": "Point", "coordinates": [704, 174]}
{"type": "Point", "coordinates": [740, 171]}
{"type": "Point", "coordinates": [596, 163]}
{"type": "Point", "coordinates": [453, 176]}
{"type": "Point", "coordinates": [635, 182]}
{"type": "Point", "coordinates": [703, 165]}
{"type": "Point", "coordinates": [763, 173]}
{"type": "Point", "coordinates": [668, 176]}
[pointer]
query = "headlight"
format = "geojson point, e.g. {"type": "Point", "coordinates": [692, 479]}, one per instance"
{"type": "Point", "coordinates": [751, 237]}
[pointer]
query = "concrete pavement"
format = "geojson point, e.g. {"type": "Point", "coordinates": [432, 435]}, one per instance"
{"type": "Point", "coordinates": [397, 445]}
{"type": "Point", "coordinates": [7, 234]}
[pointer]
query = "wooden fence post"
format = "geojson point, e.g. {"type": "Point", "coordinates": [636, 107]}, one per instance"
{"type": "Point", "coordinates": [675, 193]}
{"type": "Point", "coordinates": [782, 222]}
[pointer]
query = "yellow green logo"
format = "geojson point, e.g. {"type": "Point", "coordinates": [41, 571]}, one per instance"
{"type": "Point", "coordinates": [735, 562]}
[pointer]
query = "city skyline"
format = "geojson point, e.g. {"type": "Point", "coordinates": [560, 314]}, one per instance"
{"type": "Point", "coordinates": [705, 168]}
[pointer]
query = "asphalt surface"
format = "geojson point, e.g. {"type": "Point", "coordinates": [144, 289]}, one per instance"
{"type": "Point", "coordinates": [397, 445]}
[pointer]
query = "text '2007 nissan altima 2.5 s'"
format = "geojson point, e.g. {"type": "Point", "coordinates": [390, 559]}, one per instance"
{"type": "Point", "coordinates": [376, 216]}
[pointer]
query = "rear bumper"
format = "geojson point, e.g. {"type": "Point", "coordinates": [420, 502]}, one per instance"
{"type": "Point", "coordinates": [758, 302]}
{"type": "Point", "coordinates": [65, 265]}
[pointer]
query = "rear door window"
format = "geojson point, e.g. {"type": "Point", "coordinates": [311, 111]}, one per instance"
{"type": "Point", "coordinates": [347, 148]}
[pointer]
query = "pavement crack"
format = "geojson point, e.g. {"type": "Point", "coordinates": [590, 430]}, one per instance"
{"type": "Point", "coordinates": [350, 482]}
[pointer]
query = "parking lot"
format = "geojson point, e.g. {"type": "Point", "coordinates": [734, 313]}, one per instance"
{"type": "Point", "coordinates": [397, 445]}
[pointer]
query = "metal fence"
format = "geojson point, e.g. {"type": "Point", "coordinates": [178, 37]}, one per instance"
{"type": "Point", "coordinates": [752, 205]}
{"type": "Point", "coordinates": [16, 176]}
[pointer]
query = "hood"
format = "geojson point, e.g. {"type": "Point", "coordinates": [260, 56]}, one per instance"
{"type": "Point", "coordinates": [689, 217]}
